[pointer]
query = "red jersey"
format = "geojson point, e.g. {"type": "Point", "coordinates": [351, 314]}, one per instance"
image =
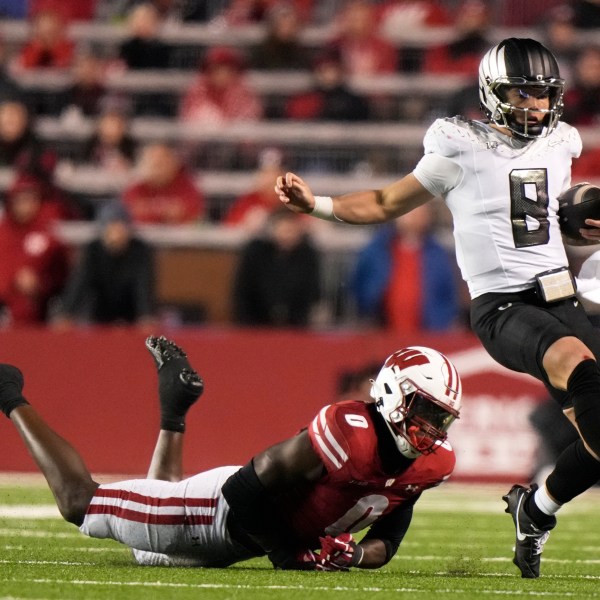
{"type": "Point", "coordinates": [177, 202]}
{"type": "Point", "coordinates": [356, 491]}
{"type": "Point", "coordinates": [34, 248]}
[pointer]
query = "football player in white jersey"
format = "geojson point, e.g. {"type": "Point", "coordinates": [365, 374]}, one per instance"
{"type": "Point", "coordinates": [358, 465]}
{"type": "Point", "coordinates": [500, 178]}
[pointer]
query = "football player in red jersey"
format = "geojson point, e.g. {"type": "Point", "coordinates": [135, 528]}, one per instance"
{"type": "Point", "coordinates": [356, 466]}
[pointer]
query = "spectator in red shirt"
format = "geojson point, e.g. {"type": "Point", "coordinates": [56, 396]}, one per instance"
{"type": "Point", "coordinates": [462, 56]}
{"type": "Point", "coordinates": [34, 263]}
{"type": "Point", "coordinates": [252, 209]}
{"type": "Point", "coordinates": [404, 278]}
{"type": "Point", "coordinates": [220, 94]}
{"type": "Point", "coordinates": [81, 10]}
{"type": "Point", "coordinates": [362, 50]}
{"type": "Point", "coordinates": [408, 15]}
{"type": "Point", "coordinates": [165, 192]}
{"type": "Point", "coordinates": [48, 45]}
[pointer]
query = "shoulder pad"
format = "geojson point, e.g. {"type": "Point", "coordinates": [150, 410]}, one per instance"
{"type": "Point", "coordinates": [448, 136]}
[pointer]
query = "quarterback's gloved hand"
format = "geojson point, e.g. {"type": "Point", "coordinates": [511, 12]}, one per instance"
{"type": "Point", "coordinates": [339, 553]}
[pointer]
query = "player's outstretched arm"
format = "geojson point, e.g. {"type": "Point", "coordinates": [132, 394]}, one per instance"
{"type": "Point", "coordinates": [369, 206]}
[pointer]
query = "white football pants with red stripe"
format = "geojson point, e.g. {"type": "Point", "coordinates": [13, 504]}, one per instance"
{"type": "Point", "coordinates": [180, 523]}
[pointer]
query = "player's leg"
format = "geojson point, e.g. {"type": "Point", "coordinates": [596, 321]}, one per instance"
{"type": "Point", "coordinates": [571, 366]}
{"type": "Point", "coordinates": [179, 386]}
{"type": "Point", "coordinates": [167, 459]}
{"type": "Point", "coordinates": [542, 342]}
{"type": "Point", "coordinates": [166, 523]}
{"type": "Point", "coordinates": [62, 466]}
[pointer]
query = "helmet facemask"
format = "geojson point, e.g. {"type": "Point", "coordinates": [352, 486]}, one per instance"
{"type": "Point", "coordinates": [507, 115]}
{"type": "Point", "coordinates": [422, 421]}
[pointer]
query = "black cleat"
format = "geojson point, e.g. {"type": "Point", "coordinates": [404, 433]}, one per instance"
{"type": "Point", "coordinates": [11, 387]}
{"type": "Point", "coordinates": [530, 538]}
{"type": "Point", "coordinates": [179, 386]}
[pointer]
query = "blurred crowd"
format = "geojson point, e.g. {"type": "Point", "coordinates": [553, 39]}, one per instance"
{"type": "Point", "coordinates": [404, 278]}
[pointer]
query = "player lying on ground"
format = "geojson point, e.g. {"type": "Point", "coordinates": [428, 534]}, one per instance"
{"type": "Point", "coordinates": [357, 465]}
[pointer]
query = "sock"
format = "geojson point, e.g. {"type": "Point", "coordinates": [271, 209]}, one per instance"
{"type": "Point", "coordinates": [543, 501]}
{"type": "Point", "coordinates": [576, 471]}
{"type": "Point", "coordinates": [541, 519]}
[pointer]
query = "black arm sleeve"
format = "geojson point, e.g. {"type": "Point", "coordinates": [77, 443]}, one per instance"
{"type": "Point", "coordinates": [254, 511]}
{"type": "Point", "coordinates": [392, 528]}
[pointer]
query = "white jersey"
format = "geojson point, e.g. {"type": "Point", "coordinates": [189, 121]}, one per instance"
{"type": "Point", "coordinates": [502, 193]}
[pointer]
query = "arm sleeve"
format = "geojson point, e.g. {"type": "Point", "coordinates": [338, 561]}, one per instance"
{"type": "Point", "coordinates": [252, 495]}
{"type": "Point", "coordinates": [392, 528]}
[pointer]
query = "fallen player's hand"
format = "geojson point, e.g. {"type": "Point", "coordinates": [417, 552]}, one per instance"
{"type": "Point", "coordinates": [339, 553]}
{"type": "Point", "coordinates": [303, 561]}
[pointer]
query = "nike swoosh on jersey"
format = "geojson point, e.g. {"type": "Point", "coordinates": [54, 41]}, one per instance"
{"type": "Point", "coordinates": [505, 306]}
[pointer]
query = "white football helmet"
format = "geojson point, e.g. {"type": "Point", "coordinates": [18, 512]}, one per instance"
{"type": "Point", "coordinates": [529, 66]}
{"type": "Point", "coordinates": [418, 393]}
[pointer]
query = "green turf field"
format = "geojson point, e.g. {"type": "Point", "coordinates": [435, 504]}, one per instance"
{"type": "Point", "coordinates": [459, 545]}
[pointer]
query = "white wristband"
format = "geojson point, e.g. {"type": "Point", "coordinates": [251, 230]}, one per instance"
{"type": "Point", "coordinates": [323, 208]}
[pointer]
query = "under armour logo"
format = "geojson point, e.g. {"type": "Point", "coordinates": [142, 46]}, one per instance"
{"type": "Point", "coordinates": [491, 145]}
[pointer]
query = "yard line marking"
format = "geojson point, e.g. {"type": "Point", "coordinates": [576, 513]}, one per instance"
{"type": "Point", "coordinates": [120, 548]}
{"type": "Point", "coordinates": [40, 534]}
{"type": "Point", "coordinates": [64, 563]}
{"type": "Point", "coordinates": [582, 561]}
{"type": "Point", "coordinates": [29, 511]}
{"type": "Point", "coordinates": [224, 586]}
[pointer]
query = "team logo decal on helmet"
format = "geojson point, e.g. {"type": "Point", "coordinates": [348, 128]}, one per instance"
{"type": "Point", "coordinates": [531, 69]}
{"type": "Point", "coordinates": [418, 392]}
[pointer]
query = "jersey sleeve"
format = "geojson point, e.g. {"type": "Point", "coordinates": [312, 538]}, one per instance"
{"type": "Point", "coordinates": [344, 439]}
{"type": "Point", "coordinates": [438, 170]}
{"type": "Point", "coordinates": [328, 440]}
{"type": "Point", "coordinates": [576, 145]}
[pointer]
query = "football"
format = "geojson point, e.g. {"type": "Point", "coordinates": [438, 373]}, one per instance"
{"type": "Point", "coordinates": [575, 205]}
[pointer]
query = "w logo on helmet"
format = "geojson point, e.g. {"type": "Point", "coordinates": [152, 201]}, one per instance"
{"type": "Point", "coordinates": [408, 357]}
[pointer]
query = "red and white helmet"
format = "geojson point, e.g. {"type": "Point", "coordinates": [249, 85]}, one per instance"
{"type": "Point", "coordinates": [418, 393]}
